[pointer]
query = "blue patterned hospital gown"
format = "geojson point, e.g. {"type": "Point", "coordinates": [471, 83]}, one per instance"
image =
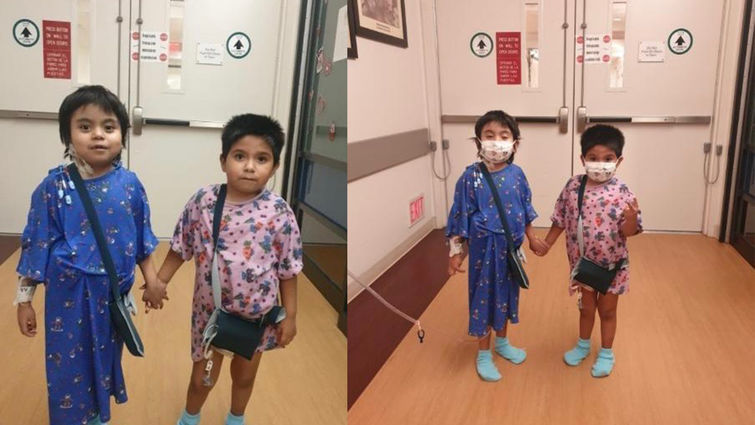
{"type": "Point", "coordinates": [83, 353]}
{"type": "Point", "coordinates": [493, 295]}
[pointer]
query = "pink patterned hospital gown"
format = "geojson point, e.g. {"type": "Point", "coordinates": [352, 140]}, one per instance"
{"type": "Point", "coordinates": [259, 245]}
{"type": "Point", "coordinates": [602, 218]}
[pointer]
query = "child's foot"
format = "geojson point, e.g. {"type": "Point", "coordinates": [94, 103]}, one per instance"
{"type": "Point", "coordinates": [508, 351]}
{"type": "Point", "coordinates": [575, 356]}
{"type": "Point", "coordinates": [232, 419]}
{"type": "Point", "coordinates": [187, 419]}
{"type": "Point", "coordinates": [604, 364]}
{"type": "Point", "coordinates": [485, 367]}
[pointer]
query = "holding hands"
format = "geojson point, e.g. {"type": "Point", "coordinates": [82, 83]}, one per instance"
{"type": "Point", "coordinates": [539, 246]}
{"type": "Point", "coordinates": [155, 291]}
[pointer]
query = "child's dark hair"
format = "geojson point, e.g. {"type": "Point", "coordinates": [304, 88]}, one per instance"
{"type": "Point", "coordinates": [91, 95]}
{"type": "Point", "coordinates": [500, 117]}
{"type": "Point", "coordinates": [255, 125]}
{"type": "Point", "coordinates": [604, 135]}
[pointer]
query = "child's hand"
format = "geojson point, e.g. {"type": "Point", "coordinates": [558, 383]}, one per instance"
{"type": "Point", "coordinates": [154, 293]}
{"type": "Point", "coordinates": [454, 264]}
{"type": "Point", "coordinates": [631, 210]}
{"type": "Point", "coordinates": [629, 227]}
{"type": "Point", "coordinates": [539, 246]}
{"type": "Point", "coordinates": [286, 331]}
{"type": "Point", "coordinates": [27, 319]}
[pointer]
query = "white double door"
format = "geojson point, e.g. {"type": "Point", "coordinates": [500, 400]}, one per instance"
{"type": "Point", "coordinates": [634, 74]}
{"type": "Point", "coordinates": [202, 62]}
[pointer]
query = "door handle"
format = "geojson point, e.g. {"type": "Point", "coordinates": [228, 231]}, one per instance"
{"type": "Point", "coordinates": [471, 119]}
{"type": "Point", "coordinates": [563, 119]}
{"type": "Point", "coordinates": [581, 119]}
{"type": "Point", "coordinates": [681, 119]}
{"type": "Point", "coordinates": [137, 120]}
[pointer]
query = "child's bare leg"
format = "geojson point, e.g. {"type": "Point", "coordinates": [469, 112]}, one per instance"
{"type": "Point", "coordinates": [607, 310]}
{"type": "Point", "coordinates": [483, 343]}
{"type": "Point", "coordinates": [243, 374]}
{"type": "Point", "coordinates": [502, 332]}
{"type": "Point", "coordinates": [575, 356]}
{"type": "Point", "coordinates": [587, 313]}
{"type": "Point", "coordinates": [197, 393]}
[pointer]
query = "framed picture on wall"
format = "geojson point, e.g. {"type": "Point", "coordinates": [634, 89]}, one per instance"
{"type": "Point", "coordinates": [352, 49]}
{"type": "Point", "coordinates": [380, 20]}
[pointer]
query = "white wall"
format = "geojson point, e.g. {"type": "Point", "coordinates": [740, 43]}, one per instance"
{"type": "Point", "coordinates": [387, 94]}
{"type": "Point", "coordinates": [386, 89]}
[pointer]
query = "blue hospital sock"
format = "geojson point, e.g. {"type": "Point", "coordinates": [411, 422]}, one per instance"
{"type": "Point", "coordinates": [232, 419]}
{"type": "Point", "coordinates": [96, 421]}
{"type": "Point", "coordinates": [604, 363]}
{"type": "Point", "coordinates": [485, 367]}
{"type": "Point", "coordinates": [187, 419]}
{"type": "Point", "coordinates": [575, 356]}
{"type": "Point", "coordinates": [508, 351]}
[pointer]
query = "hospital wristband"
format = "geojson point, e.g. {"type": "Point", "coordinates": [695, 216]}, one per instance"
{"type": "Point", "coordinates": [25, 290]}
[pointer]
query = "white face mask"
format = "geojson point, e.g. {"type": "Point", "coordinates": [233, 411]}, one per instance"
{"type": "Point", "coordinates": [496, 151]}
{"type": "Point", "coordinates": [600, 171]}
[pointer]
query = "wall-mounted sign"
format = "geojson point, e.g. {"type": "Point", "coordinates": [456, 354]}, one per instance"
{"type": "Point", "coordinates": [238, 45]}
{"type": "Point", "coordinates": [481, 44]}
{"type": "Point", "coordinates": [56, 49]}
{"type": "Point", "coordinates": [593, 49]}
{"type": "Point", "coordinates": [508, 46]}
{"type": "Point", "coordinates": [209, 53]}
{"type": "Point", "coordinates": [651, 51]}
{"type": "Point", "coordinates": [154, 45]}
{"type": "Point", "coordinates": [680, 41]}
{"type": "Point", "coordinates": [416, 209]}
{"type": "Point", "coordinates": [25, 32]}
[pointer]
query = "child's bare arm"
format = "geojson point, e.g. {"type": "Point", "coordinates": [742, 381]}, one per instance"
{"type": "Point", "coordinates": [553, 235]}
{"type": "Point", "coordinates": [287, 327]}
{"type": "Point", "coordinates": [147, 267]}
{"type": "Point", "coordinates": [171, 264]}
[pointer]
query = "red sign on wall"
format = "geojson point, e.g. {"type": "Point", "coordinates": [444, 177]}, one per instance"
{"type": "Point", "coordinates": [508, 47]}
{"type": "Point", "coordinates": [416, 210]}
{"type": "Point", "coordinates": [57, 49]}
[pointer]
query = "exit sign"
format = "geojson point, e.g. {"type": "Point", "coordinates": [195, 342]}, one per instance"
{"type": "Point", "coordinates": [416, 209]}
